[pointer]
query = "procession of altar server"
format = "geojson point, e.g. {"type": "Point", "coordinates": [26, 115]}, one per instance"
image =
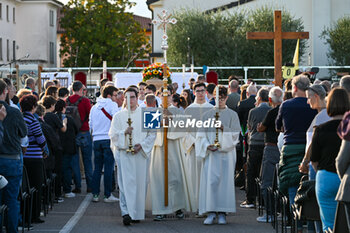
{"type": "Point", "coordinates": [200, 175]}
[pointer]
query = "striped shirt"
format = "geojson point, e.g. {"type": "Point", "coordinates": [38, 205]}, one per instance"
{"type": "Point", "coordinates": [36, 137]}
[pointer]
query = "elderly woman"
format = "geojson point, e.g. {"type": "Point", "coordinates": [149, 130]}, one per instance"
{"type": "Point", "coordinates": [324, 149]}
{"type": "Point", "coordinates": [342, 164]}
{"type": "Point", "coordinates": [33, 158]}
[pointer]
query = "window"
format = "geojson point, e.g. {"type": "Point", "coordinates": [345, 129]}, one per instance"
{"type": "Point", "coordinates": [14, 15]}
{"type": "Point", "coordinates": [14, 50]}
{"type": "Point", "coordinates": [0, 10]}
{"type": "Point", "coordinates": [52, 53]}
{"type": "Point", "coordinates": [7, 13]}
{"type": "Point", "coordinates": [0, 49]}
{"type": "Point", "coordinates": [8, 50]}
{"type": "Point", "coordinates": [51, 18]}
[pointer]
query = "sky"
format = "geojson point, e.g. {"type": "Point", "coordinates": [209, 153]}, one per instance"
{"type": "Point", "coordinates": [140, 8]}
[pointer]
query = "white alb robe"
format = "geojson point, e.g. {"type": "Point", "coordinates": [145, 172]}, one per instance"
{"type": "Point", "coordinates": [193, 164]}
{"type": "Point", "coordinates": [178, 197]}
{"type": "Point", "coordinates": [217, 188]}
{"type": "Point", "coordinates": [132, 168]}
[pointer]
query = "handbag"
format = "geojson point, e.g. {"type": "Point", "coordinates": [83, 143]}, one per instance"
{"type": "Point", "coordinates": [305, 199]}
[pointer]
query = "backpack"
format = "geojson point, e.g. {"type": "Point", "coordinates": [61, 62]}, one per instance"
{"type": "Point", "coordinates": [73, 112]}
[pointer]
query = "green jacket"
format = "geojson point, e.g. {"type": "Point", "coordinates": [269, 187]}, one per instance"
{"type": "Point", "coordinates": [289, 175]}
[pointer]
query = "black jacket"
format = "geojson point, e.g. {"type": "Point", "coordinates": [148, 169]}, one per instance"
{"type": "Point", "coordinates": [14, 129]}
{"type": "Point", "coordinates": [51, 139]}
{"type": "Point", "coordinates": [243, 109]}
{"type": "Point", "coordinates": [68, 138]}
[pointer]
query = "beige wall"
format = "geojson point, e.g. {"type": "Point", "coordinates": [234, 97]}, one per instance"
{"type": "Point", "coordinates": [32, 31]}
{"type": "Point", "coordinates": [7, 29]}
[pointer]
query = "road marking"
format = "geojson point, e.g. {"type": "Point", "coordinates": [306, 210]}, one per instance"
{"type": "Point", "coordinates": [77, 216]}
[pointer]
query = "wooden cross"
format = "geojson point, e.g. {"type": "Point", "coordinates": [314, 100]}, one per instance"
{"type": "Point", "coordinates": [277, 35]}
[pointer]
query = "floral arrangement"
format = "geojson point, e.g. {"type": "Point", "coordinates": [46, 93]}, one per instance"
{"type": "Point", "coordinates": [155, 71]}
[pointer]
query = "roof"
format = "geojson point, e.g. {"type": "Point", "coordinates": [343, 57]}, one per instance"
{"type": "Point", "coordinates": [149, 2]}
{"type": "Point", "coordinates": [146, 23]}
{"type": "Point", "coordinates": [228, 6]}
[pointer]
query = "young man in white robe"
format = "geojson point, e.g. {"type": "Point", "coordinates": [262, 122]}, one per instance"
{"type": "Point", "coordinates": [178, 198]}
{"type": "Point", "coordinates": [132, 167]}
{"type": "Point", "coordinates": [217, 188]}
{"type": "Point", "coordinates": [193, 164]}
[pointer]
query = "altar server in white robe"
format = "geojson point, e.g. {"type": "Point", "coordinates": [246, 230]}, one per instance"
{"type": "Point", "coordinates": [217, 188]}
{"type": "Point", "coordinates": [193, 164]}
{"type": "Point", "coordinates": [178, 197]}
{"type": "Point", "coordinates": [132, 167]}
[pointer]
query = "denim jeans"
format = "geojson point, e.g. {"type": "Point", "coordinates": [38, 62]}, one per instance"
{"type": "Point", "coordinates": [292, 192]}
{"type": "Point", "coordinates": [76, 171]}
{"type": "Point", "coordinates": [84, 142]}
{"type": "Point", "coordinates": [67, 168]}
{"type": "Point", "coordinates": [103, 157]}
{"type": "Point", "coordinates": [12, 170]}
{"type": "Point", "coordinates": [327, 184]}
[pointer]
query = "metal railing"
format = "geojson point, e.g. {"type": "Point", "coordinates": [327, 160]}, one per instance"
{"type": "Point", "coordinates": [244, 69]}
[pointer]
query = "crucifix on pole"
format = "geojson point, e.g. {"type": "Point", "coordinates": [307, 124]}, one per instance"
{"type": "Point", "coordinates": [277, 35]}
{"type": "Point", "coordinates": [163, 21]}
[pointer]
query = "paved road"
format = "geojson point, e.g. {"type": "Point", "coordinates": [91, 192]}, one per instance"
{"type": "Point", "coordinates": [80, 215]}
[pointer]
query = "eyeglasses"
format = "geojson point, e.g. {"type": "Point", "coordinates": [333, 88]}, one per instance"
{"type": "Point", "coordinates": [199, 91]}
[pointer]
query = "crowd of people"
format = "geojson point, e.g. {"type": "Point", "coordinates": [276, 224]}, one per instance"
{"type": "Point", "coordinates": [60, 134]}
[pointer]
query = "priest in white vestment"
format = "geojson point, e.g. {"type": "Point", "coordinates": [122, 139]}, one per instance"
{"type": "Point", "coordinates": [217, 188]}
{"type": "Point", "coordinates": [178, 197]}
{"type": "Point", "coordinates": [132, 167]}
{"type": "Point", "coordinates": [193, 164]}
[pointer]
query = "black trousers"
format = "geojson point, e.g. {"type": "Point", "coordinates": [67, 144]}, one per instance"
{"type": "Point", "coordinates": [255, 154]}
{"type": "Point", "coordinates": [59, 175]}
{"type": "Point", "coordinates": [35, 172]}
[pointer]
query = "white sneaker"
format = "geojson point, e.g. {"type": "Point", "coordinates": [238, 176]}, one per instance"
{"type": "Point", "coordinates": [69, 195]}
{"type": "Point", "coordinates": [264, 218]}
{"type": "Point", "coordinates": [222, 219]}
{"type": "Point", "coordinates": [95, 198]}
{"type": "Point", "coordinates": [210, 219]}
{"type": "Point", "coordinates": [111, 198]}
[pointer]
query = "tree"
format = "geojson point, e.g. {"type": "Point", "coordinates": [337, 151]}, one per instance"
{"type": "Point", "coordinates": [337, 37]}
{"type": "Point", "coordinates": [219, 39]}
{"type": "Point", "coordinates": [101, 28]}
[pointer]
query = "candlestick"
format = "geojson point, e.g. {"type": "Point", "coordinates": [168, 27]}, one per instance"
{"type": "Point", "coordinates": [130, 149]}
{"type": "Point", "coordinates": [217, 97]}
{"type": "Point", "coordinates": [216, 141]}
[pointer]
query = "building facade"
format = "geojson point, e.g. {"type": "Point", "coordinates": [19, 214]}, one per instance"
{"type": "Point", "coordinates": [28, 32]}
